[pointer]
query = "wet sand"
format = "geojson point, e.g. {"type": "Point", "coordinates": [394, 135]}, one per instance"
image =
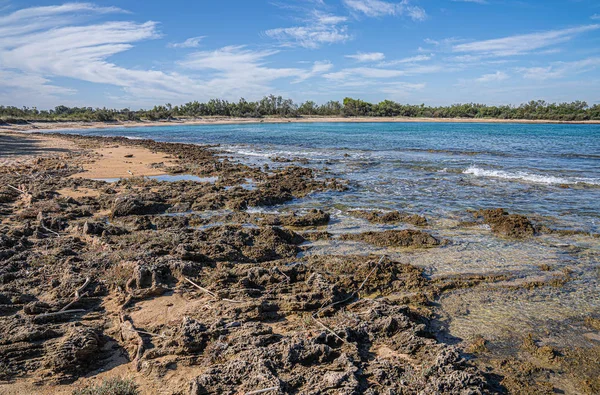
{"type": "Point", "coordinates": [190, 292]}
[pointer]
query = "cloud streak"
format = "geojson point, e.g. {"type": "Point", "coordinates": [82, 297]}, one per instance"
{"type": "Point", "coordinates": [493, 77]}
{"type": "Point", "coordinates": [192, 42]}
{"type": "Point", "coordinates": [559, 70]}
{"type": "Point", "coordinates": [319, 30]}
{"type": "Point", "coordinates": [379, 8]}
{"type": "Point", "coordinates": [367, 56]}
{"type": "Point", "coordinates": [524, 43]}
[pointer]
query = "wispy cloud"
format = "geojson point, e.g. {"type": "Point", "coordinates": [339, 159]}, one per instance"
{"type": "Point", "coordinates": [524, 43]}
{"type": "Point", "coordinates": [367, 56]}
{"type": "Point", "coordinates": [33, 19]}
{"type": "Point", "coordinates": [396, 89]}
{"type": "Point", "coordinates": [381, 73]}
{"type": "Point", "coordinates": [239, 69]}
{"type": "Point", "coordinates": [595, 17]}
{"type": "Point", "coordinates": [412, 59]}
{"type": "Point", "coordinates": [558, 70]}
{"type": "Point", "coordinates": [320, 29]}
{"type": "Point", "coordinates": [192, 42]}
{"type": "Point", "coordinates": [493, 77]}
{"type": "Point", "coordinates": [378, 8]}
{"type": "Point", "coordinates": [471, 1]}
{"type": "Point", "coordinates": [50, 42]}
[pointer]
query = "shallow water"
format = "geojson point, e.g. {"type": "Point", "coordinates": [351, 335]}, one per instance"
{"type": "Point", "coordinates": [169, 178]}
{"type": "Point", "coordinates": [436, 169]}
{"type": "Point", "coordinates": [548, 172]}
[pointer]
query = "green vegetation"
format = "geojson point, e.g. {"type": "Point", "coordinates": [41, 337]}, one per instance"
{"type": "Point", "coordinates": [113, 386]}
{"type": "Point", "coordinates": [280, 107]}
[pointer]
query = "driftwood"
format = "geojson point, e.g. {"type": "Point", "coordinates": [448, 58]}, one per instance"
{"type": "Point", "coordinates": [149, 333]}
{"type": "Point", "coordinates": [28, 196]}
{"type": "Point", "coordinates": [65, 310]}
{"type": "Point", "coordinates": [42, 317]}
{"type": "Point", "coordinates": [78, 294]}
{"type": "Point", "coordinates": [212, 294]}
{"type": "Point", "coordinates": [17, 189]}
{"type": "Point", "coordinates": [49, 230]}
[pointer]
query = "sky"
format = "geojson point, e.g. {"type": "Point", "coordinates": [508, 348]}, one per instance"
{"type": "Point", "coordinates": [136, 54]}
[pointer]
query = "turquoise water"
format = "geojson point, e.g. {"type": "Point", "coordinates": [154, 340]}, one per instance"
{"type": "Point", "coordinates": [436, 169]}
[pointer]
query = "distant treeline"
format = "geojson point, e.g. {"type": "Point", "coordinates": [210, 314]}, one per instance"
{"type": "Point", "coordinates": [280, 107]}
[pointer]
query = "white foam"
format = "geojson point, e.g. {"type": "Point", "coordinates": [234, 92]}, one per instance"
{"type": "Point", "coordinates": [524, 176]}
{"type": "Point", "coordinates": [248, 153]}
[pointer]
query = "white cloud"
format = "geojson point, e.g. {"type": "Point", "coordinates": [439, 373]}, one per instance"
{"type": "Point", "coordinates": [51, 42]}
{"type": "Point", "coordinates": [524, 43]}
{"type": "Point", "coordinates": [367, 56]}
{"type": "Point", "coordinates": [318, 68]}
{"type": "Point", "coordinates": [493, 77]}
{"type": "Point", "coordinates": [397, 87]}
{"type": "Point", "coordinates": [560, 69]}
{"type": "Point", "coordinates": [238, 69]}
{"type": "Point", "coordinates": [320, 29]}
{"type": "Point", "coordinates": [378, 8]}
{"type": "Point", "coordinates": [38, 18]}
{"type": "Point", "coordinates": [365, 72]}
{"type": "Point", "coordinates": [192, 42]}
{"type": "Point", "coordinates": [381, 73]}
{"type": "Point", "coordinates": [412, 59]}
{"type": "Point", "coordinates": [596, 16]}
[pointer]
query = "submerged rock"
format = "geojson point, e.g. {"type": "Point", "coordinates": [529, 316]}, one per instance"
{"type": "Point", "coordinates": [504, 224]}
{"type": "Point", "coordinates": [394, 238]}
{"type": "Point", "coordinates": [386, 217]}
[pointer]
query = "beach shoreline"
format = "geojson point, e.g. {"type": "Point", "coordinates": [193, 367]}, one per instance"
{"type": "Point", "coordinates": [76, 125]}
{"type": "Point", "coordinates": [140, 247]}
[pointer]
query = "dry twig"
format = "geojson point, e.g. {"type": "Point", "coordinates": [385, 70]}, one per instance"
{"type": "Point", "coordinates": [78, 296]}
{"type": "Point", "coordinates": [262, 391]}
{"type": "Point", "coordinates": [59, 313]}
{"type": "Point", "coordinates": [212, 294]}
{"type": "Point", "coordinates": [16, 189]}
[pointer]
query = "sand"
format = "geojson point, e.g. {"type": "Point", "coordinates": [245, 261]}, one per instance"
{"type": "Point", "coordinates": [105, 162]}
{"type": "Point", "coordinates": [18, 148]}
{"type": "Point", "coordinates": [123, 162]}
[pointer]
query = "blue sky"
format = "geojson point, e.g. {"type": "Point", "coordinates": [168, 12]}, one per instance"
{"type": "Point", "coordinates": [137, 54]}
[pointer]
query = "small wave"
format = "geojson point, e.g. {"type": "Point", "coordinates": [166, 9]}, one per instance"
{"type": "Point", "coordinates": [247, 153]}
{"type": "Point", "coordinates": [524, 176]}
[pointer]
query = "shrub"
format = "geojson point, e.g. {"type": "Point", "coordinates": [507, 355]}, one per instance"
{"type": "Point", "coordinates": [112, 386]}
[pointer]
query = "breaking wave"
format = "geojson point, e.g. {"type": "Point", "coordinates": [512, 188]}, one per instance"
{"type": "Point", "coordinates": [530, 177]}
